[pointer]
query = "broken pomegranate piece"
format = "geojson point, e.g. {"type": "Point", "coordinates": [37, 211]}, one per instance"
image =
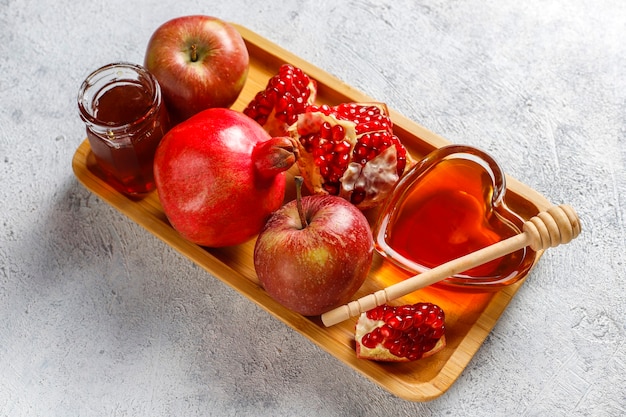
{"type": "Point", "coordinates": [350, 150]}
{"type": "Point", "coordinates": [286, 95]}
{"type": "Point", "coordinates": [400, 334]}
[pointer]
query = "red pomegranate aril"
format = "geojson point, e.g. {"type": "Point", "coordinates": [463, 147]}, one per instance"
{"type": "Point", "coordinates": [338, 133]}
{"type": "Point", "coordinates": [413, 334]}
{"type": "Point", "coordinates": [407, 323]}
{"type": "Point", "coordinates": [320, 159]}
{"type": "Point", "coordinates": [342, 147]}
{"type": "Point", "coordinates": [332, 189]}
{"type": "Point", "coordinates": [360, 151]}
{"type": "Point", "coordinates": [438, 332]}
{"type": "Point", "coordinates": [372, 339]}
{"type": "Point", "coordinates": [376, 313]}
{"type": "Point", "coordinates": [389, 314]}
{"type": "Point", "coordinates": [358, 196]}
{"type": "Point", "coordinates": [326, 131]}
{"type": "Point", "coordinates": [283, 105]}
{"type": "Point", "coordinates": [325, 109]}
{"type": "Point", "coordinates": [428, 345]}
{"type": "Point", "coordinates": [398, 349]}
{"type": "Point", "coordinates": [389, 343]}
{"type": "Point", "coordinates": [395, 322]}
{"type": "Point", "coordinates": [386, 331]}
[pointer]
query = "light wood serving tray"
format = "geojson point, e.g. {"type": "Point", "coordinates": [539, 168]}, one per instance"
{"type": "Point", "coordinates": [470, 316]}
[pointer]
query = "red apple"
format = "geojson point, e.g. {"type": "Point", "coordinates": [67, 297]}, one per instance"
{"type": "Point", "coordinates": [199, 61]}
{"type": "Point", "coordinates": [315, 258]}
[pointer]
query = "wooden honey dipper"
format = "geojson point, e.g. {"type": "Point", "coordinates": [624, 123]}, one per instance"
{"type": "Point", "coordinates": [557, 225]}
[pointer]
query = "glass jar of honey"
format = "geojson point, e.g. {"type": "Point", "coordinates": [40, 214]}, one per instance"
{"type": "Point", "coordinates": [125, 120]}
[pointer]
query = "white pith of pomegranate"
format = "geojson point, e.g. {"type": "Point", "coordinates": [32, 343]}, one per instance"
{"type": "Point", "coordinates": [286, 95]}
{"type": "Point", "coordinates": [349, 150]}
{"type": "Point", "coordinates": [400, 334]}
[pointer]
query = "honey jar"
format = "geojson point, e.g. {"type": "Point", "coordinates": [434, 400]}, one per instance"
{"type": "Point", "coordinates": [125, 120]}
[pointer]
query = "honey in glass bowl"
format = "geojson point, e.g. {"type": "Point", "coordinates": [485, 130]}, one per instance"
{"type": "Point", "coordinates": [448, 205]}
{"type": "Point", "coordinates": [125, 120]}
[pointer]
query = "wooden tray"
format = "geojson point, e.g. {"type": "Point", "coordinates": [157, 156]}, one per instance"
{"type": "Point", "coordinates": [469, 316]}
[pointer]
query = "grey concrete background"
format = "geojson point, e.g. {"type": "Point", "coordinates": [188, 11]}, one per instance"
{"type": "Point", "coordinates": [100, 318]}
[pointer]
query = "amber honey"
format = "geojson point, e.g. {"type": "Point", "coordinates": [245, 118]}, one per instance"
{"type": "Point", "coordinates": [449, 208]}
{"type": "Point", "coordinates": [125, 121]}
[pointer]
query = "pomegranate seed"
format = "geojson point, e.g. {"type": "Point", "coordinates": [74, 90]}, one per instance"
{"type": "Point", "coordinates": [332, 189]}
{"type": "Point", "coordinates": [377, 313]}
{"type": "Point", "coordinates": [358, 196]}
{"type": "Point", "coordinates": [437, 333]}
{"type": "Point", "coordinates": [338, 133]}
{"type": "Point", "coordinates": [326, 131]}
{"type": "Point", "coordinates": [395, 322]}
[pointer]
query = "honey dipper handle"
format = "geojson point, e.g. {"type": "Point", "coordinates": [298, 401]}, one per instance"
{"type": "Point", "coordinates": [557, 225]}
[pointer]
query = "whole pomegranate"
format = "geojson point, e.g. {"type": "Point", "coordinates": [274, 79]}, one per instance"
{"type": "Point", "coordinates": [219, 176]}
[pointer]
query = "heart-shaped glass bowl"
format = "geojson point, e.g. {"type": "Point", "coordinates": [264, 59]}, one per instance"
{"type": "Point", "coordinates": [449, 204]}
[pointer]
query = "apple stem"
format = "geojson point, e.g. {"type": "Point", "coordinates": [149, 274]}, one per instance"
{"type": "Point", "coordinates": [194, 52]}
{"type": "Point", "coordinates": [298, 179]}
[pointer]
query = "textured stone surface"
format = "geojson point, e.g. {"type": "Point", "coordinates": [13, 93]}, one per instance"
{"type": "Point", "coordinates": [100, 318]}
